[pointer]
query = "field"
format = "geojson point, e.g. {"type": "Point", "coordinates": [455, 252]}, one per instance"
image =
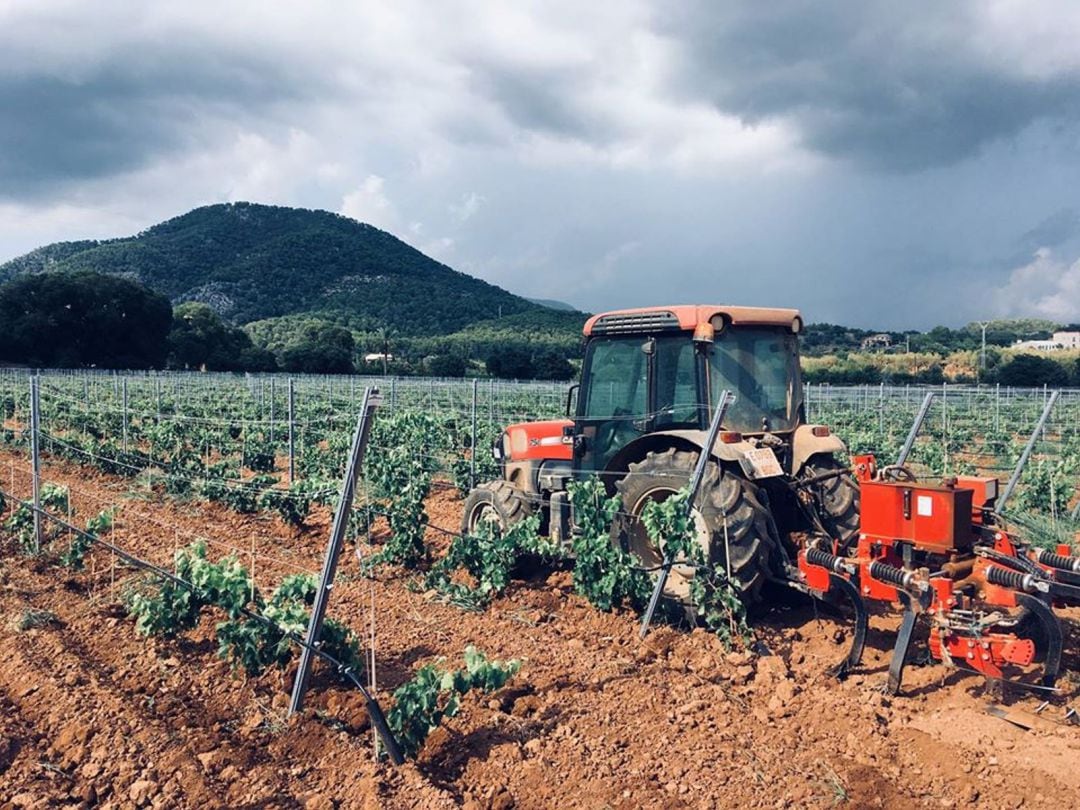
{"type": "Point", "coordinates": [96, 713]}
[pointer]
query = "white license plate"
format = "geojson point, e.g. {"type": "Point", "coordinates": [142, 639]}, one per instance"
{"type": "Point", "coordinates": [760, 463]}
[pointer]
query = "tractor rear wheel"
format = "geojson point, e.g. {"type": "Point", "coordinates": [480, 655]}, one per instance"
{"type": "Point", "coordinates": [732, 525]}
{"type": "Point", "coordinates": [499, 502]}
{"type": "Point", "coordinates": [837, 497]}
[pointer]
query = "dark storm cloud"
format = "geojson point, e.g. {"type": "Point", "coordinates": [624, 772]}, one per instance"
{"type": "Point", "coordinates": [894, 86]}
{"type": "Point", "coordinates": [1053, 231]}
{"type": "Point", "coordinates": [541, 99]}
{"type": "Point", "coordinates": [138, 107]}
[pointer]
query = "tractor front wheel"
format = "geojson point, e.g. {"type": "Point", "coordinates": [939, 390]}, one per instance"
{"type": "Point", "coordinates": [497, 502]}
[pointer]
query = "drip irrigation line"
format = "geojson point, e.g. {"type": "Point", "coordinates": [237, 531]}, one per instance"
{"type": "Point", "coordinates": [235, 484]}
{"type": "Point", "coordinates": [187, 533]}
{"type": "Point", "coordinates": [377, 717]}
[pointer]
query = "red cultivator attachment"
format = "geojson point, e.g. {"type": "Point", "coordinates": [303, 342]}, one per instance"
{"type": "Point", "coordinates": [935, 551]}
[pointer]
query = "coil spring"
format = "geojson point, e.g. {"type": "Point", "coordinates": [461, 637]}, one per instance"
{"type": "Point", "coordinates": [889, 573]}
{"type": "Point", "coordinates": [1006, 578]}
{"type": "Point", "coordinates": [815, 556]}
{"type": "Point", "coordinates": [1059, 560]}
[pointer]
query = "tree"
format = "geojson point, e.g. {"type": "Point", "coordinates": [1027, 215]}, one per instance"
{"type": "Point", "coordinates": [550, 365]}
{"type": "Point", "coordinates": [83, 319]}
{"type": "Point", "coordinates": [320, 348]}
{"type": "Point", "coordinates": [511, 364]}
{"type": "Point", "coordinates": [1030, 370]}
{"type": "Point", "coordinates": [200, 339]}
{"type": "Point", "coordinates": [445, 365]}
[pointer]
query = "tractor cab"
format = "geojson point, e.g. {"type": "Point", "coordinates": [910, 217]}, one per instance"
{"type": "Point", "coordinates": [649, 373]}
{"type": "Point", "coordinates": [650, 382]}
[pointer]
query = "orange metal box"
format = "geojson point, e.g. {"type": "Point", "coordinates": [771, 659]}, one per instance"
{"type": "Point", "coordinates": [932, 518]}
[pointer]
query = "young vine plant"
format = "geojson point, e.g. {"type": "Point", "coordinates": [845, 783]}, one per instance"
{"type": "Point", "coordinates": [670, 524]}
{"type": "Point", "coordinates": [435, 694]}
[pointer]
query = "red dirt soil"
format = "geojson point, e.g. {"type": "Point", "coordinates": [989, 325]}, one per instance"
{"type": "Point", "coordinates": [94, 715]}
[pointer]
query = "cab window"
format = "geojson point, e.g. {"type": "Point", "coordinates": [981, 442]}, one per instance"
{"type": "Point", "coordinates": [759, 367]}
{"type": "Point", "coordinates": [616, 382]}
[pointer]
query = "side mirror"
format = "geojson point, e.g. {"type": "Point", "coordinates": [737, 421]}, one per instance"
{"type": "Point", "coordinates": [571, 400]}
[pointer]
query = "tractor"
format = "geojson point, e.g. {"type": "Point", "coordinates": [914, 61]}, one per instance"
{"type": "Point", "coordinates": [650, 383]}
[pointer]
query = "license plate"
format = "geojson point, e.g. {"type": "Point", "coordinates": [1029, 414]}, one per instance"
{"type": "Point", "coordinates": [760, 463]}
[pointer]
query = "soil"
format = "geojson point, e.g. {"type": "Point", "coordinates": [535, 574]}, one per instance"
{"type": "Point", "coordinates": [93, 715]}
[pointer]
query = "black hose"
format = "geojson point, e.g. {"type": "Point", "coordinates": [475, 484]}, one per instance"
{"type": "Point", "coordinates": [1016, 563]}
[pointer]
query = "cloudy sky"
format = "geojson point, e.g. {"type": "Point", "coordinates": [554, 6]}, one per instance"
{"type": "Point", "coordinates": [873, 163]}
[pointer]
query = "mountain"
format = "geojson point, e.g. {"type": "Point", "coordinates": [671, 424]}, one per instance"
{"type": "Point", "coordinates": [252, 262]}
{"type": "Point", "coordinates": [561, 306]}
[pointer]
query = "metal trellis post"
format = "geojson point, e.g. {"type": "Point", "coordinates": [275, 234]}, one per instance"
{"type": "Point", "coordinates": [909, 442]}
{"type": "Point", "coordinates": [333, 550]}
{"type": "Point", "coordinates": [35, 457]}
{"type": "Point", "coordinates": [124, 400]}
{"type": "Point", "coordinates": [292, 434]}
{"type": "Point", "coordinates": [272, 413]}
{"type": "Point", "coordinates": [472, 439]}
{"type": "Point", "coordinates": [1015, 479]}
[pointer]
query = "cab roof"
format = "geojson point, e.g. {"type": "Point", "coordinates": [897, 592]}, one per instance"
{"type": "Point", "coordinates": [685, 317]}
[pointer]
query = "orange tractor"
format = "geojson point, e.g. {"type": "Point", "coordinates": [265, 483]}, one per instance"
{"type": "Point", "coordinates": [774, 499]}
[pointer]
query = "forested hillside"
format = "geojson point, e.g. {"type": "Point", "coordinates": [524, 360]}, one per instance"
{"type": "Point", "coordinates": [251, 262]}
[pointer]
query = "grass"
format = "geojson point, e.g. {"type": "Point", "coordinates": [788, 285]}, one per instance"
{"type": "Point", "coordinates": [34, 619]}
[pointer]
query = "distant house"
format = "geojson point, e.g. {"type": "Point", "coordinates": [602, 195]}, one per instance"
{"type": "Point", "coordinates": [378, 357]}
{"type": "Point", "coordinates": [1067, 340]}
{"type": "Point", "coordinates": [879, 342]}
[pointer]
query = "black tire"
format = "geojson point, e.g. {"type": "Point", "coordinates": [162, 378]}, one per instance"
{"type": "Point", "coordinates": [726, 501]}
{"type": "Point", "coordinates": [837, 499]}
{"type": "Point", "coordinates": [500, 501]}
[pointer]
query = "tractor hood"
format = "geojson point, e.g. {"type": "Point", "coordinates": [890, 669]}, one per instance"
{"type": "Point", "coordinates": [537, 440]}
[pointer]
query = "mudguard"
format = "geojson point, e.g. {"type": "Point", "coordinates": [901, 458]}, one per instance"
{"type": "Point", "coordinates": [805, 444]}
{"type": "Point", "coordinates": [688, 439]}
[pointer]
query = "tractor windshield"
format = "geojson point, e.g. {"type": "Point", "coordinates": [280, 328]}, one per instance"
{"type": "Point", "coordinates": [760, 367]}
{"type": "Point", "coordinates": [636, 384]}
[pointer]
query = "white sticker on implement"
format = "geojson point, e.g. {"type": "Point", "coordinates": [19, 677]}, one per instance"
{"type": "Point", "coordinates": [924, 506]}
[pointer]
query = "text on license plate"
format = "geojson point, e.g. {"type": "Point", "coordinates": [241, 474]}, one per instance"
{"type": "Point", "coordinates": [760, 462]}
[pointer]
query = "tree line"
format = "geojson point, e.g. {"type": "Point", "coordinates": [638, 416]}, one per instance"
{"type": "Point", "coordinates": [86, 319]}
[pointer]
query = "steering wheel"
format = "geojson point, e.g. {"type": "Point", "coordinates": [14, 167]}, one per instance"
{"type": "Point", "coordinates": [898, 472]}
{"type": "Point", "coordinates": [606, 433]}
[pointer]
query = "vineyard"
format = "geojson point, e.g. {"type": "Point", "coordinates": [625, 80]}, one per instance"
{"type": "Point", "coordinates": [508, 675]}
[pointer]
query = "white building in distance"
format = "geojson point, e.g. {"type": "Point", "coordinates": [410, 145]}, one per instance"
{"type": "Point", "coordinates": [1068, 340]}
{"type": "Point", "coordinates": [1057, 342]}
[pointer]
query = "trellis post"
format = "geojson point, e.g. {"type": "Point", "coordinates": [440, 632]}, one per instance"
{"type": "Point", "coordinates": [333, 549]}
{"type": "Point", "coordinates": [472, 441]}
{"type": "Point", "coordinates": [124, 406]}
{"type": "Point", "coordinates": [35, 457]}
{"type": "Point", "coordinates": [292, 434]}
